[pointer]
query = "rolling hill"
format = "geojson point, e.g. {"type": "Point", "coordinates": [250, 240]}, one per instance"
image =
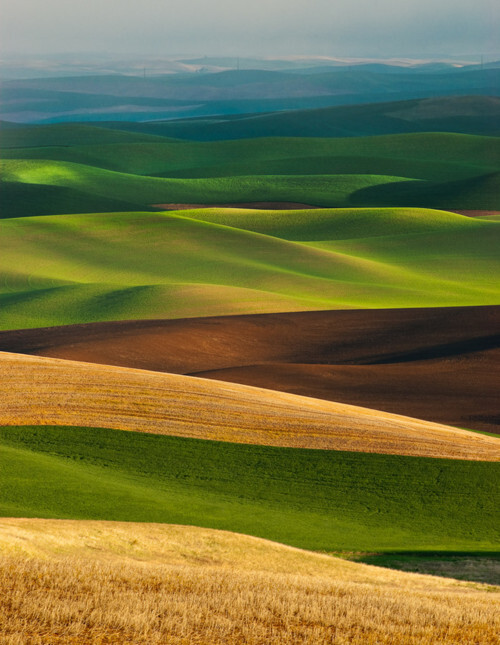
{"type": "Point", "coordinates": [431, 156]}
{"type": "Point", "coordinates": [71, 393]}
{"type": "Point", "coordinates": [436, 364]}
{"type": "Point", "coordinates": [273, 311]}
{"type": "Point", "coordinates": [478, 115]}
{"type": "Point", "coordinates": [324, 500]}
{"type": "Point", "coordinates": [182, 583]}
{"type": "Point", "coordinates": [321, 189]}
{"type": "Point", "coordinates": [116, 97]}
{"type": "Point", "coordinates": [86, 268]}
{"type": "Point", "coordinates": [124, 172]}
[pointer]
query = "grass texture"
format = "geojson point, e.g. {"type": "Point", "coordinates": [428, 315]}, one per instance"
{"type": "Point", "coordinates": [120, 166]}
{"type": "Point", "coordinates": [377, 249]}
{"type": "Point", "coordinates": [322, 500]}
{"type": "Point", "coordinates": [432, 156]}
{"type": "Point", "coordinates": [142, 190]}
{"type": "Point", "coordinates": [83, 268]}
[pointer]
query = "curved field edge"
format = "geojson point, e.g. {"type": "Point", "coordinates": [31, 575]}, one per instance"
{"type": "Point", "coordinates": [90, 582]}
{"type": "Point", "coordinates": [314, 499]}
{"type": "Point", "coordinates": [48, 391]}
{"type": "Point", "coordinates": [84, 268]}
{"type": "Point", "coordinates": [319, 224]}
{"type": "Point", "coordinates": [436, 364]}
{"type": "Point", "coordinates": [327, 190]}
{"type": "Point", "coordinates": [420, 155]}
{"type": "Point", "coordinates": [176, 544]}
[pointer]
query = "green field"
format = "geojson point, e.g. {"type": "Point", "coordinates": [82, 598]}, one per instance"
{"type": "Point", "coordinates": [68, 134]}
{"type": "Point", "coordinates": [125, 259]}
{"type": "Point", "coordinates": [120, 171]}
{"type": "Point", "coordinates": [322, 500]}
{"type": "Point", "coordinates": [432, 156]}
{"type": "Point", "coordinates": [143, 190]}
{"type": "Point", "coordinates": [83, 268]}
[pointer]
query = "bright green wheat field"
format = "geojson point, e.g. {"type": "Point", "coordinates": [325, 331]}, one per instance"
{"type": "Point", "coordinates": [83, 242]}
{"type": "Point", "coordinates": [83, 268]}
{"type": "Point", "coordinates": [314, 499]}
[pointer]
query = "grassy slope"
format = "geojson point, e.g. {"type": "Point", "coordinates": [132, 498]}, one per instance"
{"type": "Point", "coordinates": [61, 270]}
{"type": "Point", "coordinates": [313, 499]}
{"type": "Point", "coordinates": [435, 156]}
{"type": "Point", "coordinates": [98, 170]}
{"type": "Point", "coordinates": [472, 114]}
{"type": "Point", "coordinates": [318, 189]}
{"type": "Point", "coordinates": [335, 224]}
{"type": "Point", "coordinates": [124, 543]}
{"type": "Point", "coordinates": [458, 194]}
{"type": "Point", "coordinates": [28, 200]}
{"type": "Point", "coordinates": [70, 134]}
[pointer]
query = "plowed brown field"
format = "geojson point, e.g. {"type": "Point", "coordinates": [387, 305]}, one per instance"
{"type": "Point", "coordinates": [439, 364]}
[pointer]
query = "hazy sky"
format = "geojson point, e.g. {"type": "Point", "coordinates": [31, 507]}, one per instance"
{"type": "Point", "coordinates": [251, 27]}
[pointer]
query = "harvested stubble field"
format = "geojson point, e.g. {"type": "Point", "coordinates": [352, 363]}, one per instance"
{"type": "Point", "coordinates": [45, 391]}
{"type": "Point", "coordinates": [106, 582]}
{"type": "Point", "coordinates": [440, 364]}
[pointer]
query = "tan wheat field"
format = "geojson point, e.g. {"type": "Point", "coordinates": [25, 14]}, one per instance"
{"type": "Point", "coordinates": [48, 391]}
{"type": "Point", "coordinates": [69, 582]}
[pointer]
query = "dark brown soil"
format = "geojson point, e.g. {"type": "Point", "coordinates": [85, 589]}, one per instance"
{"type": "Point", "coordinates": [438, 364]}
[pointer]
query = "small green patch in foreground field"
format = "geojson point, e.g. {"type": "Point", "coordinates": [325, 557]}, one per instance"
{"type": "Point", "coordinates": [315, 499]}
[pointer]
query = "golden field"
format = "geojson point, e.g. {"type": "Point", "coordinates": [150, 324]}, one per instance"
{"type": "Point", "coordinates": [47, 391]}
{"type": "Point", "coordinates": [93, 582]}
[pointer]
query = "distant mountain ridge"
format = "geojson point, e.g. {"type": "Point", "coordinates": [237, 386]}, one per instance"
{"type": "Point", "coordinates": [170, 96]}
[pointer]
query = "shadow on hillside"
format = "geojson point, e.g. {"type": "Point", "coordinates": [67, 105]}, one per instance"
{"type": "Point", "coordinates": [483, 567]}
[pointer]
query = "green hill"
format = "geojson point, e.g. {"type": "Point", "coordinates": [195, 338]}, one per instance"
{"type": "Point", "coordinates": [336, 224]}
{"type": "Point", "coordinates": [83, 268]}
{"type": "Point", "coordinates": [30, 200]}
{"type": "Point", "coordinates": [452, 171]}
{"type": "Point", "coordinates": [443, 157]}
{"type": "Point", "coordinates": [322, 500]}
{"type": "Point", "coordinates": [144, 191]}
{"type": "Point", "coordinates": [68, 134]}
{"type": "Point", "coordinates": [345, 117]}
{"type": "Point", "coordinates": [336, 191]}
{"type": "Point", "coordinates": [463, 194]}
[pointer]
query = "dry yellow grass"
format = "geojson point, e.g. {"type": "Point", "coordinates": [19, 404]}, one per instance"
{"type": "Point", "coordinates": [102, 582]}
{"type": "Point", "coordinates": [47, 391]}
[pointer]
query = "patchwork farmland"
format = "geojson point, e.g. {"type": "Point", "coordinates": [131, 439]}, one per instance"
{"type": "Point", "coordinates": [243, 360]}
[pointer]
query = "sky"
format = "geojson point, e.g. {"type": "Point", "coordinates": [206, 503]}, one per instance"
{"type": "Point", "coordinates": [378, 28]}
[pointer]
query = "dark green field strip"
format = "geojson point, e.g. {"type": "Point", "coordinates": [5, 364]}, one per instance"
{"type": "Point", "coordinates": [314, 499]}
{"type": "Point", "coordinates": [316, 189]}
{"type": "Point", "coordinates": [468, 114]}
{"type": "Point", "coordinates": [68, 134]}
{"type": "Point", "coordinates": [31, 200]}
{"type": "Point", "coordinates": [482, 192]}
{"type": "Point", "coordinates": [432, 156]}
{"type": "Point", "coordinates": [426, 170]}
